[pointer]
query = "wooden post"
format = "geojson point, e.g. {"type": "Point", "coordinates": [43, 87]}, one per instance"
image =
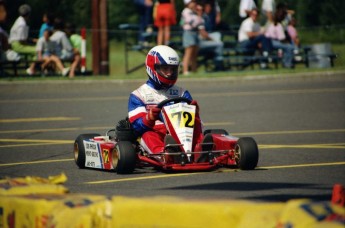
{"type": "Point", "coordinates": [104, 38]}
{"type": "Point", "coordinates": [100, 47]}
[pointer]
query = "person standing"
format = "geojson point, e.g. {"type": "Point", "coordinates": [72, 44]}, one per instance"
{"type": "Point", "coordinates": [268, 9]}
{"type": "Point", "coordinates": [191, 24]}
{"type": "Point", "coordinates": [246, 6]}
{"type": "Point", "coordinates": [165, 17]}
{"type": "Point", "coordinates": [145, 10]}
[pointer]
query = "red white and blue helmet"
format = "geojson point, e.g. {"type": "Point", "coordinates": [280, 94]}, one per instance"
{"type": "Point", "coordinates": [158, 56]}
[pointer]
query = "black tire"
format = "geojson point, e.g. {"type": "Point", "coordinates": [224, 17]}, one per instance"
{"type": "Point", "coordinates": [216, 131]}
{"type": "Point", "coordinates": [246, 153]}
{"type": "Point", "coordinates": [79, 149]}
{"type": "Point", "coordinates": [124, 157]}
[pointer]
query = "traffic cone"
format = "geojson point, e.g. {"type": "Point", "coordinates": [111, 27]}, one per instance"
{"type": "Point", "coordinates": [338, 195]}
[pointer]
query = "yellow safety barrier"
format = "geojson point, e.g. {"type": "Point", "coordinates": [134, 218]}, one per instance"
{"type": "Point", "coordinates": [23, 205]}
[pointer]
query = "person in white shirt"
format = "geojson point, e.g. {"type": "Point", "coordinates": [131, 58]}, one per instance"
{"type": "Point", "coordinates": [19, 32]}
{"type": "Point", "coordinates": [251, 38]}
{"type": "Point", "coordinates": [250, 35]}
{"type": "Point", "coordinates": [245, 7]}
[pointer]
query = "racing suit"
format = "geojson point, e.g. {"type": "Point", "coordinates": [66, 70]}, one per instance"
{"type": "Point", "coordinates": [146, 97]}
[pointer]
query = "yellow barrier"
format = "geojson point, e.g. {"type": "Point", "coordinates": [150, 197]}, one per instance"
{"type": "Point", "coordinates": [55, 210]}
{"type": "Point", "coordinates": [177, 212]}
{"type": "Point", "coordinates": [33, 185]}
{"type": "Point", "coordinates": [23, 205]}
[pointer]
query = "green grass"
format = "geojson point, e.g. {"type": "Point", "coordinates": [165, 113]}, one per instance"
{"type": "Point", "coordinates": [117, 67]}
{"type": "Point", "coordinates": [117, 63]}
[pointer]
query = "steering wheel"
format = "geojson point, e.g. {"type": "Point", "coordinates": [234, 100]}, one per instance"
{"type": "Point", "coordinates": [174, 100]}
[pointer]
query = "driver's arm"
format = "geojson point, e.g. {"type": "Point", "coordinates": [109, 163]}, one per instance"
{"type": "Point", "coordinates": [137, 114]}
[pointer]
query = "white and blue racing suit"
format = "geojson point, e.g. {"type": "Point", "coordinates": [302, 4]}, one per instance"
{"type": "Point", "coordinates": [140, 101]}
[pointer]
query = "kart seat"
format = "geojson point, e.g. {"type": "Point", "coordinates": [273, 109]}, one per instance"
{"type": "Point", "coordinates": [124, 131]}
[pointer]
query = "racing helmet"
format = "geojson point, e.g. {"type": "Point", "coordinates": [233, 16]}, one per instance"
{"type": "Point", "coordinates": [162, 63]}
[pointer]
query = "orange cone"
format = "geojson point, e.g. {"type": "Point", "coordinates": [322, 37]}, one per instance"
{"type": "Point", "coordinates": [338, 195]}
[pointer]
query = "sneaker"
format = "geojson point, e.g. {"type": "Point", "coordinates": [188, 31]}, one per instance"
{"type": "Point", "coordinates": [29, 71]}
{"type": "Point", "coordinates": [263, 66]}
{"type": "Point", "coordinates": [65, 71]}
{"type": "Point", "coordinates": [298, 58]}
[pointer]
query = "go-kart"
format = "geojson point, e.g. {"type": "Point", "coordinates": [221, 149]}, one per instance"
{"type": "Point", "coordinates": [120, 148]}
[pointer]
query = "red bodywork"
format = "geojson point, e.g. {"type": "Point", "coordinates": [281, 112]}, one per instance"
{"type": "Point", "coordinates": [222, 154]}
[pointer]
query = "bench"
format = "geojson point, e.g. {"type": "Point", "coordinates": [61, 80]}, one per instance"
{"type": "Point", "coordinates": [234, 57]}
{"type": "Point", "coordinates": [18, 68]}
{"type": "Point", "coordinates": [130, 35]}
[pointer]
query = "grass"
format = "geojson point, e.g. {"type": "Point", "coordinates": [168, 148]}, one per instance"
{"type": "Point", "coordinates": [117, 62]}
{"type": "Point", "coordinates": [117, 69]}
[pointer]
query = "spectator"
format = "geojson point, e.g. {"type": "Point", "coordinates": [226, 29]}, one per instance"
{"type": "Point", "coordinates": [164, 18]}
{"type": "Point", "coordinates": [64, 48]}
{"type": "Point", "coordinates": [192, 24]}
{"type": "Point", "coordinates": [45, 52]}
{"type": "Point", "coordinates": [162, 63]}
{"type": "Point", "coordinates": [293, 34]}
{"type": "Point", "coordinates": [246, 6]}
{"type": "Point", "coordinates": [213, 15]}
{"type": "Point", "coordinates": [19, 34]}
{"type": "Point", "coordinates": [213, 43]}
{"type": "Point", "coordinates": [276, 33]}
{"type": "Point", "coordinates": [145, 10]}
{"type": "Point", "coordinates": [76, 41]}
{"type": "Point", "coordinates": [284, 14]}
{"type": "Point", "coordinates": [48, 20]}
{"type": "Point", "coordinates": [251, 38]}
{"type": "Point", "coordinates": [5, 49]}
{"type": "Point", "coordinates": [268, 9]}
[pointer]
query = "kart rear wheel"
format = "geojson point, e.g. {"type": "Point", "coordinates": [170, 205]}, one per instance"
{"type": "Point", "coordinates": [124, 157]}
{"type": "Point", "coordinates": [246, 153]}
{"type": "Point", "coordinates": [79, 149]}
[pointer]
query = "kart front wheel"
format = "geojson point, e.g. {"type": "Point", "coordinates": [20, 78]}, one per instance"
{"type": "Point", "coordinates": [124, 157]}
{"type": "Point", "coordinates": [246, 153]}
{"type": "Point", "coordinates": [79, 149]}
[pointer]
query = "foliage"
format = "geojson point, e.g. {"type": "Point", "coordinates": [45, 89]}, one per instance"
{"type": "Point", "coordinates": [308, 12]}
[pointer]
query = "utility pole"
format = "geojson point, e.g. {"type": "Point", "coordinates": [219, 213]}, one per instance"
{"type": "Point", "coordinates": [100, 47]}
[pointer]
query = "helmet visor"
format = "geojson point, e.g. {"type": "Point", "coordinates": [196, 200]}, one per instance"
{"type": "Point", "coordinates": [169, 72]}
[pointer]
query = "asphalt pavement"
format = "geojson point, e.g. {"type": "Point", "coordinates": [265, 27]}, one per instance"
{"type": "Point", "coordinates": [297, 121]}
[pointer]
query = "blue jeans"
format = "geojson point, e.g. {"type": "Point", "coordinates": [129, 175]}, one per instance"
{"type": "Point", "coordinates": [145, 17]}
{"type": "Point", "coordinates": [252, 44]}
{"type": "Point", "coordinates": [288, 52]}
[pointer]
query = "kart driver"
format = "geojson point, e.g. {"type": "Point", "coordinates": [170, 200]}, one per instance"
{"type": "Point", "coordinates": [162, 65]}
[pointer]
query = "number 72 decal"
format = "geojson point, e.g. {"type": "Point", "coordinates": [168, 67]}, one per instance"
{"type": "Point", "coordinates": [183, 119]}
